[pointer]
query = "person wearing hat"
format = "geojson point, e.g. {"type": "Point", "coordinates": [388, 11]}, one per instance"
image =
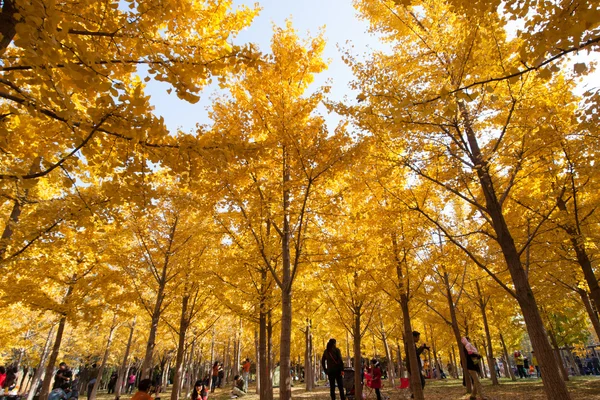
{"type": "Point", "coordinates": [333, 365]}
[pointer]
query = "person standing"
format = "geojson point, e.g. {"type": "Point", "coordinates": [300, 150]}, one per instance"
{"type": "Point", "coordinates": [375, 372]}
{"type": "Point", "coordinates": [520, 363]}
{"type": "Point", "coordinates": [130, 383]}
{"type": "Point", "coordinates": [246, 373]}
{"type": "Point", "coordinates": [333, 365]}
{"type": "Point", "coordinates": [215, 376]}
{"type": "Point", "coordinates": [418, 350]}
{"type": "Point", "coordinates": [473, 362]}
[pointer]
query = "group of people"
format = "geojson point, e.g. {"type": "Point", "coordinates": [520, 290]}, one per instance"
{"type": "Point", "coordinates": [8, 378]}
{"type": "Point", "coordinates": [333, 365]}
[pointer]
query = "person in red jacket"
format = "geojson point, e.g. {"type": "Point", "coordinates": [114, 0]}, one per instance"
{"type": "Point", "coordinates": [375, 372]}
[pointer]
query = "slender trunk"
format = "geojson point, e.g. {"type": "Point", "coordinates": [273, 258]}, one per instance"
{"type": "Point", "coordinates": [285, 383]}
{"type": "Point", "coordinates": [212, 349]}
{"type": "Point", "coordinates": [456, 331]}
{"type": "Point", "coordinates": [160, 295]}
{"type": "Point", "coordinates": [409, 342]}
{"type": "Point", "coordinates": [257, 358]}
{"type": "Point", "coordinates": [590, 311]}
{"type": "Point", "coordinates": [583, 259]}
{"type": "Point", "coordinates": [308, 380]}
{"type": "Point", "coordinates": [39, 372]}
{"type": "Point", "coordinates": [488, 337]}
{"type": "Point", "coordinates": [572, 361]}
{"type": "Point", "coordinates": [454, 364]}
{"type": "Point", "coordinates": [266, 388]}
{"type": "Point", "coordinates": [104, 359]}
{"type": "Point", "coordinates": [124, 370]}
{"type": "Point", "coordinates": [49, 374]}
{"type": "Point", "coordinates": [509, 371]}
{"type": "Point", "coordinates": [400, 363]}
{"type": "Point", "coordinates": [270, 346]}
{"type": "Point", "coordinates": [348, 358]}
{"type": "Point", "coordinates": [184, 323]}
{"type": "Point", "coordinates": [561, 365]}
{"type": "Point", "coordinates": [554, 387]}
{"type": "Point", "coordinates": [435, 359]}
{"type": "Point", "coordinates": [388, 354]}
{"type": "Point", "coordinates": [357, 353]}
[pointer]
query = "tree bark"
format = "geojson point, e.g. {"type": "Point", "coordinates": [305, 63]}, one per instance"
{"type": "Point", "coordinates": [49, 374]}
{"type": "Point", "coordinates": [456, 331]}
{"type": "Point", "coordinates": [8, 23]}
{"type": "Point", "coordinates": [508, 369]}
{"type": "Point", "coordinates": [308, 353]}
{"type": "Point", "coordinates": [409, 342]}
{"type": "Point", "coordinates": [388, 354]}
{"type": "Point", "coordinates": [454, 364]}
{"type": "Point", "coordinates": [357, 354]}
{"type": "Point", "coordinates": [488, 337]}
{"type": "Point", "coordinates": [590, 311]}
{"type": "Point", "coordinates": [160, 295]}
{"type": "Point", "coordinates": [124, 370]}
{"type": "Point", "coordinates": [104, 360]}
{"type": "Point", "coordinates": [39, 372]}
{"type": "Point", "coordinates": [266, 388]}
{"type": "Point", "coordinates": [554, 387]}
{"type": "Point", "coordinates": [561, 364]}
{"type": "Point", "coordinates": [184, 323]}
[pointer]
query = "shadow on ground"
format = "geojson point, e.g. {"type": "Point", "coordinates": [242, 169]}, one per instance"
{"type": "Point", "coordinates": [581, 388]}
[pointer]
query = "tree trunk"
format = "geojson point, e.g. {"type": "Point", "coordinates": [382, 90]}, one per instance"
{"type": "Point", "coordinates": [184, 323]}
{"type": "Point", "coordinates": [456, 331]}
{"type": "Point", "coordinates": [348, 357]}
{"type": "Point", "coordinates": [561, 364]}
{"type": "Point", "coordinates": [400, 364]}
{"type": "Point", "coordinates": [508, 369]}
{"type": "Point", "coordinates": [590, 311]}
{"type": "Point", "coordinates": [388, 354]}
{"type": "Point", "coordinates": [39, 372]}
{"type": "Point", "coordinates": [257, 358]}
{"type": "Point", "coordinates": [357, 353]}
{"type": "Point", "coordinates": [147, 364]}
{"type": "Point", "coordinates": [49, 374]}
{"type": "Point", "coordinates": [308, 352]}
{"type": "Point", "coordinates": [8, 24]}
{"type": "Point", "coordinates": [454, 364]}
{"type": "Point", "coordinates": [409, 342]}
{"type": "Point", "coordinates": [124, 370]}
{"type": "Point", "coordinates": [104, 359]}
{"type": "Point", "coordinates": [435, 359]}
{"type": "Point", "coordinates": [554, 386]}
{"type": "Point", "coordinates": [266, 388]}
{"type": "Point", "coordinates": [488, 337]}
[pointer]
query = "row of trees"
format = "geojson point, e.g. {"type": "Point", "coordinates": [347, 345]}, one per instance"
{"type": "Point", "coordinates": [457, 196]}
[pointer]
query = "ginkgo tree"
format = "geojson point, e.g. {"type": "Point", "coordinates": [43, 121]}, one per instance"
{"type": "Point", "coordinates": [275, 153]}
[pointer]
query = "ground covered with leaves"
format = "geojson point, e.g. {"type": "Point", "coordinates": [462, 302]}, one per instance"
{"type": "Point", "coordinates": [530, 389]}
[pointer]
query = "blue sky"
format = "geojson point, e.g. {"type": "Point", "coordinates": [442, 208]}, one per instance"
{"type": "Point", "coordinates": [342, 28]}
{"type": "Point", "coordinates": [341, 25]}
